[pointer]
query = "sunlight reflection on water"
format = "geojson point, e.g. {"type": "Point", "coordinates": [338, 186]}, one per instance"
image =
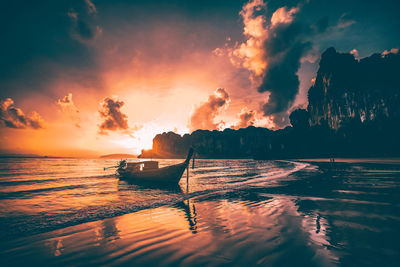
{"type": "Point", "coordinates": [236, 212]}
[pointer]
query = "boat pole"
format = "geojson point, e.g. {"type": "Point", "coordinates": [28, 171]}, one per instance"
{"type": "Point", "coordinates": [187, 172]}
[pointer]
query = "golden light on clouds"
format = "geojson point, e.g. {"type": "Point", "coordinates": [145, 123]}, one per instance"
{"type": "Point", "coordinates": [143, 79]}
{"type": "Point", "coordinates": [283, 15]}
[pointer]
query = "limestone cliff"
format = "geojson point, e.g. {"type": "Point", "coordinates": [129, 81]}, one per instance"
{"type": "Point", "coordinates": [347, 89]}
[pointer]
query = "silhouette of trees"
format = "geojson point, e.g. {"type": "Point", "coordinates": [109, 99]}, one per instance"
{"type": "Point", "coordinates": [300, 118]}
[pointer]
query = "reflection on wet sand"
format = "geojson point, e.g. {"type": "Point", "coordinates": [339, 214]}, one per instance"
{"type": "Point", "coordinates": [190, 210]}
{"type": "Point", "coordinates": [219, 231]}
{"type": "Point", "coordinates": [186, 205]}
{"type": "Point", "coordinates": [353, 212]}
{"type": "Point", "coordinates": [347, 217]}
{"type": "Point", "coordinates": [107, 232]}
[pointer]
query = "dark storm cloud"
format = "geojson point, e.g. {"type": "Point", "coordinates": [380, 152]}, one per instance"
{"type": "Point", "coordinates": [278, 40]}
{"type": "Point", "coordinates": [272, 52]}
{"type": "Point", "coordinates": [13, 117]}
{"type": "Point", "coordinates": [113, 118]}
{"type": "Point", "coordinates": [286, 45]}
{"type": "Point", "coordinates": [39, 45]}
{"type": "Point", "coordinates": [204, 115]}
{"type": "Point", "coordinates": [83, 20]}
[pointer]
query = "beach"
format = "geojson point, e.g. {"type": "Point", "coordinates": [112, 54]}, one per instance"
{"type": "Point", "coordinates": [233, 212]}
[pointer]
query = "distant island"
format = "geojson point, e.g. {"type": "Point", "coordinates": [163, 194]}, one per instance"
{"type": "Point", "coordinates": [15, 155]}
{"type": "Point", "coordinates": [353, 111]}
{"type": "Point", "coordinates": [118, 156]}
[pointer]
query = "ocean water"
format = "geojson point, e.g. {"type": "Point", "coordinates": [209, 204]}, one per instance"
{"type": "Point", "coordinates": [232, 212]}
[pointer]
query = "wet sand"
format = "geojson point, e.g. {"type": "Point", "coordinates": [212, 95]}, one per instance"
{"type": "Point", "coordinates": [345, 215]}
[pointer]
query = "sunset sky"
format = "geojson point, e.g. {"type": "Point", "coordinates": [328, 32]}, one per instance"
{"type": "Point", "coordinates": [87, 77]}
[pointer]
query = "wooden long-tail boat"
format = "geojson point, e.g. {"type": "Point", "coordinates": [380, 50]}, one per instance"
{"type": "Point", "coordinates": [148, 171]}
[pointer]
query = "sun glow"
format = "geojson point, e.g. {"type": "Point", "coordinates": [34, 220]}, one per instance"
{"type": "Point", "coordinates": [154, 85]}
{"type": "Point", "coordinates": [143, 138]}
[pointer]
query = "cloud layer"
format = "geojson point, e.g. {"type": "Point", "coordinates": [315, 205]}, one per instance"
{"type": "Point", "coordinates": [203, 116]}
{"type": "Point", "coordinates": [13, 117]}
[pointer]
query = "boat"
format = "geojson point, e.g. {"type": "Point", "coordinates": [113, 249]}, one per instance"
{"type": "Point", "coordinates": [149, 172]}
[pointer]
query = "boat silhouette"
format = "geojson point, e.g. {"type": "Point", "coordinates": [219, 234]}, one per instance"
{"type": "Point", "coordinates": [149, 172]}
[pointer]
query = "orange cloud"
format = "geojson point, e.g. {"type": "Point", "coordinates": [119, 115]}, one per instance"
{"type": "Point", "coordinates": [283, 15]}
{"type": "Point", "coordinates": [68, 107]}
{"type": "Point", "coordinates": [391, 51]}
{"type": "Point", "coordinates": [204, 115]}
{"type": "Point", "coordinates": [246, 118]}
{"type": "Point", "coordinates": [13, 117]}
{"type": "Point", "coordinates": [250, 54]}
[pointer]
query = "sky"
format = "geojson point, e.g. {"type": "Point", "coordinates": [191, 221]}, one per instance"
{"type": "Point", "coordinates": [86, 77]}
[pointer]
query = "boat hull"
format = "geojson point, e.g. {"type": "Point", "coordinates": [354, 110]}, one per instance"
{"type": "Point", "coordinates": [166, 175]}
{"type": "Point", "coordinates": [169, 174]}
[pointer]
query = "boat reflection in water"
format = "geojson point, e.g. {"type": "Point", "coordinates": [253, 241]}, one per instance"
{"type": "Point", "coordinates": [187, 204]}
{"type": "Point", "coordinates": [190, 209]}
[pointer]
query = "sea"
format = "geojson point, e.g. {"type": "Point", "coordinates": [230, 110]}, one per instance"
{"type": "Point", "coordinates": [72, 212]}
